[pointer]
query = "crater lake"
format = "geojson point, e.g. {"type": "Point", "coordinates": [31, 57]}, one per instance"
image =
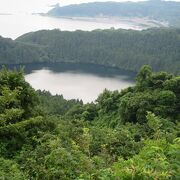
{"type": "Point", "coordinates": [77, 81]}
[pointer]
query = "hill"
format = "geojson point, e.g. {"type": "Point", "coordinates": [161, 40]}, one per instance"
{"type": "Point", "coordinates": [132, 134]}
{"type": "Point", "coordinates": [125, 49]}
{"type": "Point", "coordinates": [167, 11]}
{"type": "Point", "coordinates": [12, 52]}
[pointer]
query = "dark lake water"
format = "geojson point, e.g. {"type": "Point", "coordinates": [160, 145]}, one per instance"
{"type": "Point", "coordinates": [77, 81]}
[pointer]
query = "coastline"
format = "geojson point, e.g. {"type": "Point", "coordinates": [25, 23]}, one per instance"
{"type": "Point", "coordinates": [144, 22]}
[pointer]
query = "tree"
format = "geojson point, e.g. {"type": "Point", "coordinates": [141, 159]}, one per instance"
{"type": "Point", "coordinates": [19, 122]}
{"type": "Point", "coordinates": [144, 77]}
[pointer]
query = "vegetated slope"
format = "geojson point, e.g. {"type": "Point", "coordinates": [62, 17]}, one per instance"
{"type": "Point", "coordinates": [155, 9]}
{"type": "Point", "coordinates": [12, 52]}
{"type": "Point", "coordinates": [126, 49]}
{"type": "Point", "coordinates": [132, 134]}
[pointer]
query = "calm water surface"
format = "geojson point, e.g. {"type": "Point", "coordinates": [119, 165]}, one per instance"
{"type": "Point", "coordinates": [15, 25]}
{"type": "Point", "coordinates": [16, 18]}
{"type": "Point", "coordinates": [77, 81]}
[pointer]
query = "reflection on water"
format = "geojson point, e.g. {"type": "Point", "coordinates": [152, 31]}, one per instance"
{"type": "Point", "coordinates": [77, 81]}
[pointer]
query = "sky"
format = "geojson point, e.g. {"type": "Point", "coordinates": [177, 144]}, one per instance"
{"type": "Point", "coordinates": [32, 6]}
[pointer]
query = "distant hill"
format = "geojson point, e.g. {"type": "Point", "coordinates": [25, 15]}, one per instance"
{"type": "Point", "coordinates": [125, 49]}
{"type": "Point", "coordinates": [155, 9]}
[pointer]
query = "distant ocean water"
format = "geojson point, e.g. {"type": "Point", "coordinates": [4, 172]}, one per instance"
{"type": "Point", "coordinates": [15, 25]}
{"type": "Point", "coordinates": [16, 19]}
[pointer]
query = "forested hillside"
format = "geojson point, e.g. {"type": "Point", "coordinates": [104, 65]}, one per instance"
{"type": "Point", "coordinates": [12, 52]}
{"type": "Point", "coordinates": [125, 49]}
{"type": "Point", "coordinates": [160, 10]}
{"type": "Point", "coordinates": [132, 134]}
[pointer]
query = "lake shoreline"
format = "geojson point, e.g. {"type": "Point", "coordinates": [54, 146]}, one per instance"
{"type": "Point", "coordinates": [77, 81]}
{"type": "Point", "coordinates": [19, 65]}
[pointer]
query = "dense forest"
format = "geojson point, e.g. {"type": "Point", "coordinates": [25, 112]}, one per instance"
{"type": "Point", "coordinates": [125, 49]}
{"type": "Point", "coordinates": [12, 52]}
{"type": "Point", "coordinates": [167, 11]}
{"type": "Point", "coordinates": [132, 134]}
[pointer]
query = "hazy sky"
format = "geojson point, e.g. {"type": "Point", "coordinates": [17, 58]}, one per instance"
{"type": "Point", "coordinates": [11, 6]}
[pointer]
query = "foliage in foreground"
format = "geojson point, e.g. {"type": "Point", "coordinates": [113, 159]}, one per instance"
{"type": "Point", "coordinates": [132, 134]}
